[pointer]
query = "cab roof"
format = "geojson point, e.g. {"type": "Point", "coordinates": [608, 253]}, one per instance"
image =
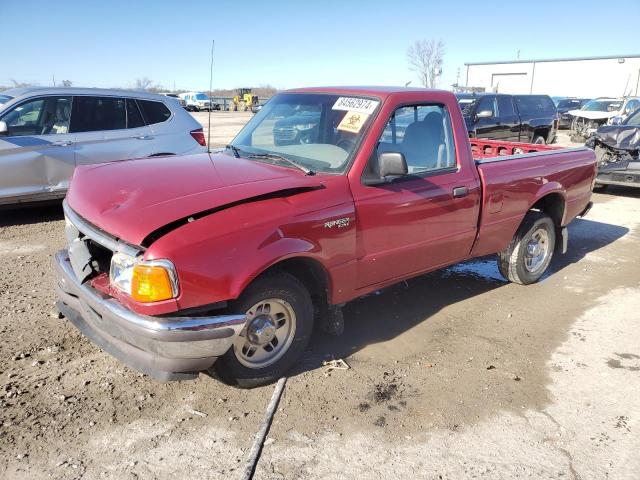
{"type": "Point", "coordinates": [29, 91]}
{"type": "Point", "coordinates": [376, 91]}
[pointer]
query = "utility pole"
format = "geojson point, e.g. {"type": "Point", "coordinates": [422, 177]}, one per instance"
{"type": "Point", "coordinates": [53, 76]}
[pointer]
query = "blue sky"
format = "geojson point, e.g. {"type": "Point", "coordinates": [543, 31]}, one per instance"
{"type": "Point", "coordinates": [292, 43]}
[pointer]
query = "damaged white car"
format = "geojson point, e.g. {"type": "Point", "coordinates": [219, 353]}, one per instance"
{"type": "Point", "coordinates": [601, 111]}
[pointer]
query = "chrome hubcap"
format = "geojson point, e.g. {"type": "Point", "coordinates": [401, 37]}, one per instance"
{"type": "Point", "coordinates": [268, 333]}
{"type": "Point", "coordinates": [536, 250]}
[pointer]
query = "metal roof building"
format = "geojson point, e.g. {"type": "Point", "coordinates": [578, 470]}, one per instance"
{"type": "Point", "coordinates": [613, 76]}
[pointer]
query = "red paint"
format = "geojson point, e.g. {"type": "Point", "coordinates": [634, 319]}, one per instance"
{"type": "Point", "coordinates": [395, 231]}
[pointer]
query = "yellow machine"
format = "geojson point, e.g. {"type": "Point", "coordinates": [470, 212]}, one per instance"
{"type": "Point", "coordinates": [243, 100]}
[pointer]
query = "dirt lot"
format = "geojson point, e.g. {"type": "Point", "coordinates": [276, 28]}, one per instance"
{"type": "Point", "coordinates": [456, 374]}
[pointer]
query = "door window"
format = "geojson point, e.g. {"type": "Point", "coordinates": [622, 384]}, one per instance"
{"type": "Point", "coordinates": [423, 134]}
{"type": "Point", "coordinates": [40, 116]}
{"type": "Point", "coordinates": [631, 106]}
{"type": "Point", "coordinates": [505, 106]}
{"type": "Point", "coordinates": [487, 103]}
{"type": "Point", "coordinates": [93, 114]}
{"type": "Point", "coordinates": [134, 117]}
{"type": "Point", "coordinates": [154, 112]}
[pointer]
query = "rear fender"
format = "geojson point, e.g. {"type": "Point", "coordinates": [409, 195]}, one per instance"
{"type": "Point", "coordinates": [552, 188]}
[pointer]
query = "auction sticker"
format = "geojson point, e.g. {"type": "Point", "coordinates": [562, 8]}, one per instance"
{"type": "Point", "coordinates": [354, 104]}
{"type": "Point", "coordinates": [353, 122]}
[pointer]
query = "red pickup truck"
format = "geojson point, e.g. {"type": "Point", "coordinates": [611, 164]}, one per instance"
{"type": "Point", "coordinates": [224, 261]}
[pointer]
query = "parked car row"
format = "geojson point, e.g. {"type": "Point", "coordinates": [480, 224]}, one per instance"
{"type": "Point", "coordinates": [46, 132]}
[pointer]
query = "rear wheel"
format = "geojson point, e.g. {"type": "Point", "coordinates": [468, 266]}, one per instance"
{"type": "Point", "coordinates": [600, 187]}
{"type": "Point", "coordinates": [279, 324]}
{"type": "Point", "coordinates": [539, 140]}
{"type": "Point", "coordinates": [529, 254]}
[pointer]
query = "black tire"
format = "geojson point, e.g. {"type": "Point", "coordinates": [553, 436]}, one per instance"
{"type": "Point", "coordinates": [511, 262]}
{"type": "Point", "coordinates": [539, 140]}
{"type": "Point", "coordinates": [600, 187]}
{"type": "Point", "coordinates": [280, 285]}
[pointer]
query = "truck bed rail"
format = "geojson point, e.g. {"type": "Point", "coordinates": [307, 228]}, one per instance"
{"type": "Point", "coordinates": [481, 148]}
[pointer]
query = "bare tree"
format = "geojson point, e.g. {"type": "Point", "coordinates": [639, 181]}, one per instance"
{"type": "Point", "coordinates": [67, 83]}
{"type": "Point", "coordinates": [143, 83]}
{"type": "Point", "coordinates": [425, 58]}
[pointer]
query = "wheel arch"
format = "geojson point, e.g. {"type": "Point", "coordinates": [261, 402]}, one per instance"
{"type": "Point", "coordinates": [309, 270]}
{"type": "Point", "coordinates": [552, 201]}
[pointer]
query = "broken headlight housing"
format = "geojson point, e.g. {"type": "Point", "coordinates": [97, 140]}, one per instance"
{"type": "Point", "coordinates": [144, 280]}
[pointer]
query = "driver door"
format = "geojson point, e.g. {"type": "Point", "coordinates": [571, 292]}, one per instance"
{"type": "Point", "coordinates": [36, 152]}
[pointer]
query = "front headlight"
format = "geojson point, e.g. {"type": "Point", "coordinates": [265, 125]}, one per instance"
{"type": "Point", "coordinates": [305, 126]}
{"type": "Point", "coordinates": [144, 281]}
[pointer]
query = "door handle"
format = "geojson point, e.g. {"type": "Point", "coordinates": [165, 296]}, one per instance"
{"type": "Point", "coordinates": [143, 137]}
{"type": "Point", "coordinates": [63, 143]}
{"type": "Point", "coordinates": [460, 192]}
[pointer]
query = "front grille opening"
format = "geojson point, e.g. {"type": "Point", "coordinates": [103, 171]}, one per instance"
{"type": "Point", "coordinates": [100, 257]}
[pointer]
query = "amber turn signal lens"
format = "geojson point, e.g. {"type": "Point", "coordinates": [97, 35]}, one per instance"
{"type": "Point", "coordinates": [150, 284]}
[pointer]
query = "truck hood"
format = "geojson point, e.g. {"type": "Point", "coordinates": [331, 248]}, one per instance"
{"type": "Point", "coordinates": [132, 199]}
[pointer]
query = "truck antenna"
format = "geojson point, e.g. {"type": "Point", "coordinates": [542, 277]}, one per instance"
{"type": "Point", "coordinates": [213, 42]}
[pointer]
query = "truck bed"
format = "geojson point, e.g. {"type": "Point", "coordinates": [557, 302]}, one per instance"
{"type": "Point", "coordinates": [481, 148]}
{"type": "Point", "coordinates": [514, 175]}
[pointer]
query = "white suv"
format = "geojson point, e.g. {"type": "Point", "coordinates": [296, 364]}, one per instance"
{"type": "Point", "coordinates": [46, 132]}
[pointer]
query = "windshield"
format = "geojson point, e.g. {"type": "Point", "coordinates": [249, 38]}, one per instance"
{"type": "Point", "coordinates": [602, 106]}
{"type": "Point", "coordinates": [318, 131]}
{"type": "Point", "coordinates": [570, 104]}
{"type": "Point", "coordinates": [634, 119]}
{"type": "Point", "coordinates": [201, 96]}
{"type": "Point", "coordinates": [4, 99]}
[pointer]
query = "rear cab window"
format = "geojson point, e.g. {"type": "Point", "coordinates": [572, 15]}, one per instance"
{"type": "Point", "coordinates": [154, 112]}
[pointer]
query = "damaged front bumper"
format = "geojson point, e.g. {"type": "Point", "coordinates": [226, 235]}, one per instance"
{"type": "Point", "coordinates": [166, 348]}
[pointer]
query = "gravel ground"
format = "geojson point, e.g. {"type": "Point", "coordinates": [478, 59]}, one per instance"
{"type": "Point", "coordinates": [455, 374]}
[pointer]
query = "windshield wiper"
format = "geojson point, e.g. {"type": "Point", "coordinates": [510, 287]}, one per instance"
{"type": "Point", "coordinates": [275, 156]}
{"type": "Point", "coordinates": [234, 149]}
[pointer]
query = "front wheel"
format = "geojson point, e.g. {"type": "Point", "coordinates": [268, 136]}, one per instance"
{"type": "Point", "coordinates": [279, 324]}
{"type": "Point", "coordinates": [529, 254]}
{"type": "Point", "coordinates": [539, 140]}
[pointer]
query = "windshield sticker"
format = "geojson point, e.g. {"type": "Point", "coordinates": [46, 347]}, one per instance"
{"type": "Point", "coordinates": [353, 104]}
{"type": "Point", "coordinates": [353, 122]}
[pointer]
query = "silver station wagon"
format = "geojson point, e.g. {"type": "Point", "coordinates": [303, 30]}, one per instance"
{"type": "Point", "coordinates": [46, 132]}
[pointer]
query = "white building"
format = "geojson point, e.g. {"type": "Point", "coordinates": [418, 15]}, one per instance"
{"type": "Point", "coordinates": [588, 77]}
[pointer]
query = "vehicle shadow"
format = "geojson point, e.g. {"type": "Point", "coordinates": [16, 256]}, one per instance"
{"type": "Point", "coordinates": [29, 214]}
{"type": "Point", "coordinates": [388, 313]}
{"type": "Point", "coordinates": [620, 191]}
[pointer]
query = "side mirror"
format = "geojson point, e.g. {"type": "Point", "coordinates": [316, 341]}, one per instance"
{"type": "Point", "coordinates": [614, 121]}
{"type": "Point", "coordinates": [392, 164]}
{"type": "Point", "coordinates": [484, 114]}
{"type": "Point", "coordinates": [3, 128]}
